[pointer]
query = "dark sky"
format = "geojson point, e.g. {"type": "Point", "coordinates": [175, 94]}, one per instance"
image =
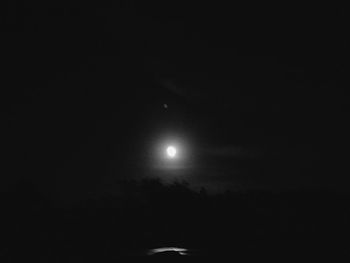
{"type": "Point", "coordinates": [259, 95]}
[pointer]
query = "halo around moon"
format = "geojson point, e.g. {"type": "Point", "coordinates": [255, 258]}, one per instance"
{"type": "Point", "coordinates": [171, 151]}
{"type": "Point", "coordinates": [171, 154]}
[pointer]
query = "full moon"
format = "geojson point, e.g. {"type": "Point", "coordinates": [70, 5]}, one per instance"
{"type": "Point", "coordinates": [171, 151]}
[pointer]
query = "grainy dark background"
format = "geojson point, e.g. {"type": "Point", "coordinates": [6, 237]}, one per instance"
{"type": "Point", "coordinates": [260, 91]}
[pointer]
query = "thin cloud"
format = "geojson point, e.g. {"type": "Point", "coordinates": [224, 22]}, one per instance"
{"type": "Point", "coordinates": [233, 151]}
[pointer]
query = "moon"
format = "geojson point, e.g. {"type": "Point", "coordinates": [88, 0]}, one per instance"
{"type": "Point", "coordinates": [171, 151]}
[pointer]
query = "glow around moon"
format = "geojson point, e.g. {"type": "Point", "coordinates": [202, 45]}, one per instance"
{"type": "Point", "coordinates": [170, 154]}
{"type": "Point", "coordinates": [171, 151]}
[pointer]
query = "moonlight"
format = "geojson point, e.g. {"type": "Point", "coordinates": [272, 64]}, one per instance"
{"type": "Point", "coordinates": [171, 151]}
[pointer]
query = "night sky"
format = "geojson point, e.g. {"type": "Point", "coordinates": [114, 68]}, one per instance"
{"type": "Point", "coordinates": [258, 96]}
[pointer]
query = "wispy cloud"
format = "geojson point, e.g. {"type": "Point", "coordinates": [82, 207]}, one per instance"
{"type": "Point", "coordinates": [233, 151]}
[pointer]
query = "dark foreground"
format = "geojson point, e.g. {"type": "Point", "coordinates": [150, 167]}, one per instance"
{"type": "Point", "coordinates": [149, 215]}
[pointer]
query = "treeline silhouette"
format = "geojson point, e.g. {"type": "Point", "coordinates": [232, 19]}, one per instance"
{"type": "Point", "coordinates": [147, 213]}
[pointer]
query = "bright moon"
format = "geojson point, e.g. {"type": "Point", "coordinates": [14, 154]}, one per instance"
{"type": "Point", "coordinates": [171, 151]}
